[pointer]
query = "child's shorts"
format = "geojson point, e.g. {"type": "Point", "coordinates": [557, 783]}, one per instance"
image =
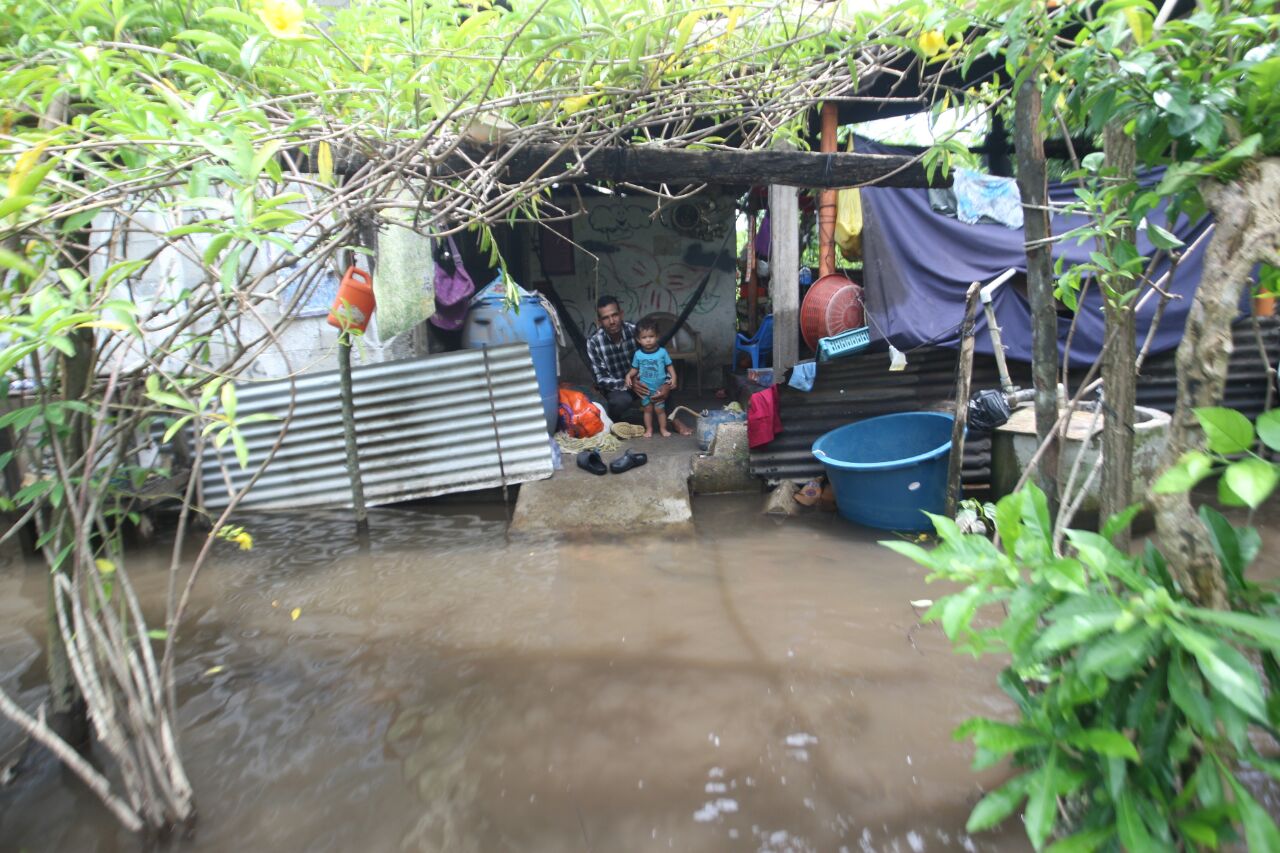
{"type": "Point", "coordinates": [647, 401]}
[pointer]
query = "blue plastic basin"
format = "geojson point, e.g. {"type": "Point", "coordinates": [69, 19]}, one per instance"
{"type": "Point", "coordinates": [887, 471]}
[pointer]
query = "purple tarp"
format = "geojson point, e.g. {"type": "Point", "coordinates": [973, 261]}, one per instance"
{"type": "Point", "coordinates": [919, 263]}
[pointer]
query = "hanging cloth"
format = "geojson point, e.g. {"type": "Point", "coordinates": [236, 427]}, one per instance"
{"type": "Point", "coordinates": [764, 420]}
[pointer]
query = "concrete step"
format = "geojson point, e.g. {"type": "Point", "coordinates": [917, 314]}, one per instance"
{"type": "Point", "coordinates": [574, 501]}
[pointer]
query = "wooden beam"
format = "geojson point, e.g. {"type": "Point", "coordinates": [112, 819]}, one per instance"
{"type": "Point", "coordinates": [680, 167]}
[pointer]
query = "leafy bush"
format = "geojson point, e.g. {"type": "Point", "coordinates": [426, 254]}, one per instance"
{"type": "Point", "coordinates": [1137, 711]}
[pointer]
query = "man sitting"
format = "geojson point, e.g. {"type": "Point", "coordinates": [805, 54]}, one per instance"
{"type": "Point", "coordinates": [610, 350]}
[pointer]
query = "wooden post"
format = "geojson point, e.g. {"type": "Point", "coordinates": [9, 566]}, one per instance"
{"type": "Point", "coordinates": [827, 199]}
{"type": "Point", "coordinates": [349, 435]}
{"type": "Point", "coordinates": [1034, 189]}
{"type": "Point", "coordinates": [784, 281]}
{"type": "Point", "coordinates": [964, 373]}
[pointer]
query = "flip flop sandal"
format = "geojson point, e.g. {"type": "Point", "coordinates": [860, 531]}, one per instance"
{"type": "Point", "coordinates": [589, 460]}
{"type": "Point", "coordinates": [627, 461]}
{"type": "Point", "coordinates": [626, 431]}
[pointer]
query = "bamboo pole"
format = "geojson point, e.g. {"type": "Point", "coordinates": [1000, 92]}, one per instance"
{"type": "Point", "coordinates": [964, 373]}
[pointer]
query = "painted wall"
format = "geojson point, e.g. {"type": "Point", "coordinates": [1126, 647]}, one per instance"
{"type": "Point", "coordinates": [651, 261]}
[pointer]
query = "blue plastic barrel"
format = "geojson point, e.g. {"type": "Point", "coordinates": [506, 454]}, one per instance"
{"type": "Point", "coordinates": [888, 471]}
{"type": "Point", "coordinates": [491, 323]}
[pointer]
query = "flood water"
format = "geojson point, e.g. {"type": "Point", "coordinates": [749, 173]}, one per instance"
{"type": "Point", "coordinates": [758, 685]}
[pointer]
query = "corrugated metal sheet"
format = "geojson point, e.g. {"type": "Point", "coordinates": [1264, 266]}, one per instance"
{"type": "Point", "coordinates": [861, 387]}
{"type": "Point", "coordinates": [426, 426]}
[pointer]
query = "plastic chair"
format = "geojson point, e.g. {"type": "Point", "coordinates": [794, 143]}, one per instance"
{"type": "Point", "coordinates": [685, 346]}
{"type": "Point", "coordinates": [759, 346]}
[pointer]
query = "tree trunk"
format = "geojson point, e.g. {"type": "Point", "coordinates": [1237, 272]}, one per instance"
{"type": "Point", "coordinates": [1119, 377]}
{"type": "Point", "coordinates": [1247, 216]}
{"type": "Point", "coordinates": [1034, 187]}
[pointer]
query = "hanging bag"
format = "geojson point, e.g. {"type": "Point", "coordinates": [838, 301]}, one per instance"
{"type": "Point", "coordinates": [453, 287]}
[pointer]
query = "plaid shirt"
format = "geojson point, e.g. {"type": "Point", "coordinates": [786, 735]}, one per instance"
{"type": "Point", "coordinates": [611, 361]}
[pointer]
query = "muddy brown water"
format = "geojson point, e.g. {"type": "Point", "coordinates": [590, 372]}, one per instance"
{"type": "Point", "coordinates": [758, 685]}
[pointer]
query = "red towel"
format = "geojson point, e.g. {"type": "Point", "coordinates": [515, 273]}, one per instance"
{"type": "Point", "coordinates": [764, 421]}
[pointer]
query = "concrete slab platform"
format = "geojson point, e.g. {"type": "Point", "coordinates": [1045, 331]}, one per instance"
{"type": "Point", "coordinates": [574, 501]}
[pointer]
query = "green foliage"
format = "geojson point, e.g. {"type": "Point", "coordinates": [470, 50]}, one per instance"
{"type": "Point", "coordinates": [1134, 707]}
{"type": "Point", "coordinates": [1246, 481]}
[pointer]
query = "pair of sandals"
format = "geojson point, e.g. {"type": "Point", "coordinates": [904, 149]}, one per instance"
{"type": "Point", "coordinates": [589, 460]}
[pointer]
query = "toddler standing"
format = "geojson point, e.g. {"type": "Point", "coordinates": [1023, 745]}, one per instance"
{"type": "Point", "coordinates": [652, 365]}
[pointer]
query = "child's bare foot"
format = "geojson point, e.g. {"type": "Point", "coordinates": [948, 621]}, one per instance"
{"type": "Point", "coordinates": [648, 433]}
{"type": "Point", "coordinates": [666, 433]}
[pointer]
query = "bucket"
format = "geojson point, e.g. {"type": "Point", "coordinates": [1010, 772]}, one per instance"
{"type": "Point", "coordinates": [491, 323]}
{"type": "Point", "coordinates": [353, 307]}
{"type": "Point", "coordinates": [888, 471]}
{"type": "Point", "coordinates": [708, 421]}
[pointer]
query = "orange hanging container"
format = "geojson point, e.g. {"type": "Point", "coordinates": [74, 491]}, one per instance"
{"type": "Point", "coordinates": [354, 306]}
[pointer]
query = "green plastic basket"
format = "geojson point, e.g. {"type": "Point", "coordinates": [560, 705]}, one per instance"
{"type": "Point", "coordinates": [845, 343]}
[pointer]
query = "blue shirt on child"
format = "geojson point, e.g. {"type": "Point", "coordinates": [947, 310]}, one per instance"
{"type": "Point", "coordinates": [652, 367]}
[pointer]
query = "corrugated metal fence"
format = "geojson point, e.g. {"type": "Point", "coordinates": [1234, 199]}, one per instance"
{"type": "Point", "coordinates": [426, 426]}
{"type": "Point", "coordinates": [861, 387]}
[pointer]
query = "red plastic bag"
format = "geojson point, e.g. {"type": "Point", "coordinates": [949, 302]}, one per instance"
{"type": "Point", "coordinates": [579, 416]}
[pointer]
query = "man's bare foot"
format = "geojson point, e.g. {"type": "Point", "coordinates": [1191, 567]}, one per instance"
{"type": "Point", "coordinates": [666, 433]}
{"type": "Point", "coordinates": [681, 428]}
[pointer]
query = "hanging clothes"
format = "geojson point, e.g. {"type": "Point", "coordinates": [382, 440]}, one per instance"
{"type": "Point", "coordinates": [764, 417]}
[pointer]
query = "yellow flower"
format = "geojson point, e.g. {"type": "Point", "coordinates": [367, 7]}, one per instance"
{"type": "Point", "coordinates": [244, 540]}
{"type": "Point", "coordinates": [576, 104]}
{"type": "Point", "coordinates": [284, 18]}
{"type": "Point", "coordinates": [932, 42]}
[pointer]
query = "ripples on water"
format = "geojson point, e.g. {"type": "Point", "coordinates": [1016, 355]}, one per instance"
{"type": "Point", "coordinates": [757, 685]}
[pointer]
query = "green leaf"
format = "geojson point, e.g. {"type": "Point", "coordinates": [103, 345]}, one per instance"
{"type": "Point", "coordinates": [1104, 742]}
{"type": "Point", "coordinates": [1192, 467]}
{"type": "Point", "coordinates": [242, 449]}
{"type": "Point", "coordinates": [1265, 631]}
{"type": "Point", "coordinates": [158, 634]}
{"type": "Point", "coordinates": [958, 610]}
{"type": "Point", "coordinates": [229, 401]}
{"type": "Point", "coordinates": [1083, 842]}
{"type": "Point", "coordinates": [1120, 521]}
{"type": "Point", "coordinates": [1000, 738]}
{"type": "Point", "coordinates": [1259, 829]}
{"type": "Point", "coordinates": [1268, 425]}
{"type": "Point", "coordinates": [998, 805]}
{"type": "Point", "coordinates": [174, 427]}
{"type": "Point", "coordinates": [1227, 545]}
{"type": "Point", "coordinates": [1226, 496]}
{"type": "Point", "coordinates": [1042, 802]}
{"type": "Point", "coordinates": [1252, 480]}
{"type": "Point", "coordinates": [1199, 832]}
{"type": "Point", "coordinates": [1009, 520]}
{"type": "Point", "coordinates": [909, 550]}
{"type": "Point", "coordinates": [1187, 691]}
{"type": "Point", "coordinates": [1226, 669]}
{"type": "Point", "coordinates": [1226, 430]}
{"type": "Point", "coordinates": [1162, 238]}
{"type": "Point", "coordinates": [1117, 655]}
{"type": "Point", "coordinates": [1133, 832]}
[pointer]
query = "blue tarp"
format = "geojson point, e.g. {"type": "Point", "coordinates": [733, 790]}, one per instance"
{"type": "Point", "coordinates": [919, 263]}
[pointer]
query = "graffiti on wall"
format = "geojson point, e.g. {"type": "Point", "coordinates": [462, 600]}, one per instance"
{"type": "Point", "coordinates": [653, 262]}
